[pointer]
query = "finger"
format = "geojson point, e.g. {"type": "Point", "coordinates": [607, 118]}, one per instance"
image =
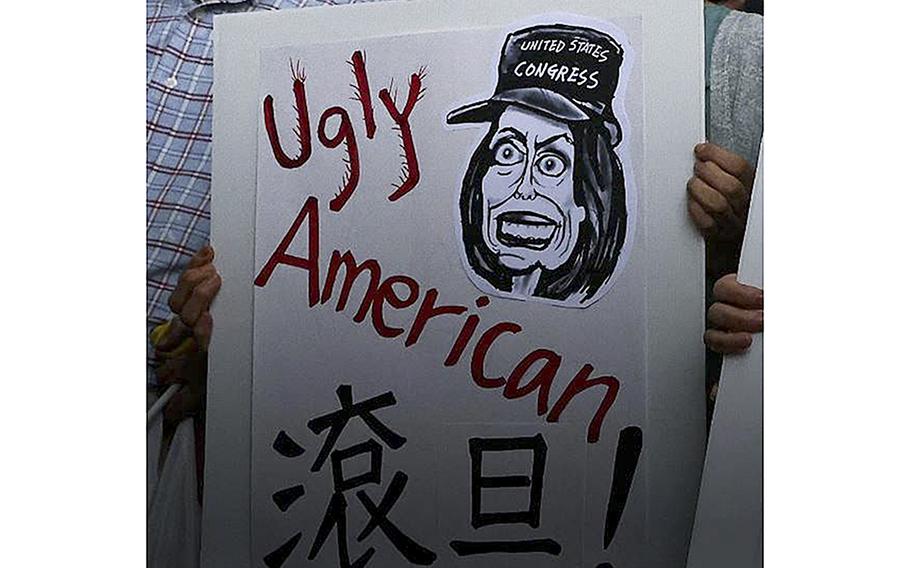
{"type": "Point", "coordinates": [730, 162]}
{"type": "Point", "coordinates": [729, 291]}
{"type": "Point", "coordinates": [726, 343]}
{"type": "Point", "coordinates": [203, 331]}
{"type": "Point", "coordinates": [700, 217]}
{"type": "Point", "coordinates": [177, 332]}
{"type": "Point", "coordinates": [189, 280]}
{"type": "Point", "coordinates": [730, 318]}
{"type": "Point", "coordinates": [711, 200]}
{"type": "Point", "coordinates": [200, 300]}
{"type": "Point", "coordinates": [204, 255]}
{"type": "Point", "coordinates": [730, 186]}
{"type": "Point", "coordinates": [727, 225]}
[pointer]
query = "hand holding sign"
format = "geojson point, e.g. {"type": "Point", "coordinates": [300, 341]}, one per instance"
{"type": "Point", "coordinates": [182, 344]}
{"type": "Point", "coordinates": [193, 296]}
{"type": "Point", "coordinates": [735, 315]}
{"type": "Point", "coordinates": [719, 192]}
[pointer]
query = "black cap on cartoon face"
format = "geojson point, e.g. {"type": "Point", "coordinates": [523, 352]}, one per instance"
{"type": "Point", "coordinates": [566, 72]}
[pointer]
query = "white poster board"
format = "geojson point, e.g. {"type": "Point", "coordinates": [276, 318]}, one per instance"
{"type": "Point", "coordinates": [610, 362]}
{"type": "Point", "coordinates": [728, 522]}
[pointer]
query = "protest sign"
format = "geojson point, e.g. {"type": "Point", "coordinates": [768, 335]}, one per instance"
{"type": "Point", "coordinates": [476, 306]}
{"type": "Point", "coordinates": [728, 521]}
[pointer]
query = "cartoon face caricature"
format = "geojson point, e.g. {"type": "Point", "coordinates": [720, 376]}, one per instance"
{"type": "Point", "coordinates": [543, 201]}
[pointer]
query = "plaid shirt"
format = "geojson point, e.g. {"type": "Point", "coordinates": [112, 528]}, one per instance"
{"type": "Point", "coordinates": [179, 136]}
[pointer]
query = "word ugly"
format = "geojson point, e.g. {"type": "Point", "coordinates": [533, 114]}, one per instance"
{"type": "Point", "coordinates": [345, 134]}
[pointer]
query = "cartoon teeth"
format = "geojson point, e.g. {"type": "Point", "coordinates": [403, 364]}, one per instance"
{"type": "Point", "coordinates": [525, 229]}
{"type": "Point", "coordinates": [528, 231]}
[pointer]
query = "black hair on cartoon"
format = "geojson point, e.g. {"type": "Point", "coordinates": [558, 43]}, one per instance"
{"type": "Point", "coordinates": [598, 187]}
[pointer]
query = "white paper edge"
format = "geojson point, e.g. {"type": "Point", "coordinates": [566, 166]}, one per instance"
{"type": "Point", "coordinates": [728, 522]}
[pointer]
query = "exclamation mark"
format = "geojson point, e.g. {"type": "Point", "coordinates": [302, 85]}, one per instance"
{"type": "Point", "coordinates": [626, 462]}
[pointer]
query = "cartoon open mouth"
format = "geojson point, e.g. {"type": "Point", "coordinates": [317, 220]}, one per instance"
{"type": "Point", "coordinates": [525, 229]}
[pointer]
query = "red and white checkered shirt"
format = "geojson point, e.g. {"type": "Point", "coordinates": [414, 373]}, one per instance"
{"type": "Point", "coordinates": [179, 136]}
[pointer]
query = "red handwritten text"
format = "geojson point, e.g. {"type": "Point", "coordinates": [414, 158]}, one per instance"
{"type": "Point", "coordinates": [385, 297]}
{"type": "Point", "coordinates": [345, 134]}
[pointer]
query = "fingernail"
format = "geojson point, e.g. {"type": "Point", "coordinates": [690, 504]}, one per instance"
{"type": "Point", "coordinates": [699, 147]}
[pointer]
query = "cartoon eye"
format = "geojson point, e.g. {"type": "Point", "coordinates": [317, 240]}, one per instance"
{"type": "Point", "coordinates": [507, 154]}
{"type": "Point", "coordinates": [551, 165]}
